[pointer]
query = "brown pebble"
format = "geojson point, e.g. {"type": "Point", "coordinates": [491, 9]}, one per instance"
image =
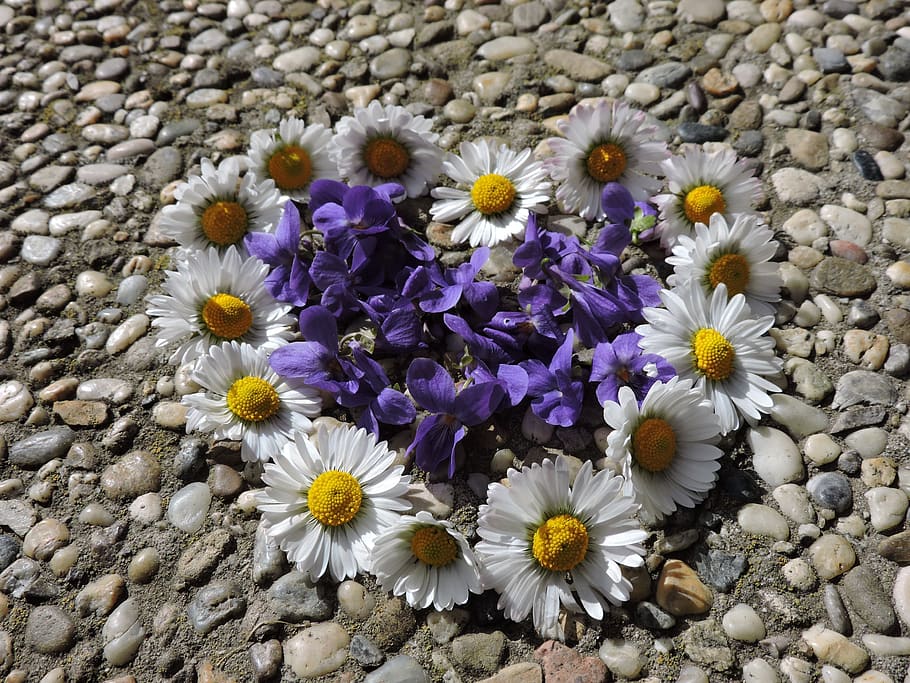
{"type": "Point", "coordinates": [437, 91]}
{"type": "Point", "coordinates": [848, 250]}
{"type": "Point", "coordinates": [563, 663]}
{"type": "Point", "coordinates": [82, 413]}
{"type": "Point", "coordinates": [224, 481]}
{"type": "Point", "coordinates": [680, 591]}
{"type": "Point", "coordinates": [896, 548]}
{"type": "Point", "coordinates": [719, 84]}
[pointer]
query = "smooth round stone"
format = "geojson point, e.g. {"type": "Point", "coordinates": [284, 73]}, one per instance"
{"type": "Point", "coordinates": [188, 507]}
{"type": "Point", "coordinates": [831, 556]}
{"type": "Point", "coordinates": [831, 647]}
{"type": "Point", "coordinates": [122, 634]}
{"type": "Point", "coordinates": [898, 273]}
{"type": "Point", "coordinates": [742, 622]}
{"type": "Point", "coordinates": [131, 289]}
{"type": "Point", "coordinates": [760, 520]}
{"type": "Point", "coordinates": [116, 391]}
{"type": "Point", "coordinates": [40, 250]}
{"type": "Point", "coordinates": [805, 226]}
{"type": "Point", "coordinates": [775, 456]}
{"type": "Point", "coordinates": [491, 85]}
{"type": "Point", "coordinates": [642, 93]}
{"type": "Point", "coordinates": [459, 111]}
{"type": "Point", "coordinates": [506, 47]}
{"type": "Point", "coordinates": [759, 671]}
{"type": "Point", "coordinates": [887, 507]}
{"type": "Point", "coordinates": [33, 221]}
{"type": "Point", "coordinates": [399, 668]}
{"type": "Point", "coordinates": [680, 592]}
{"type": "Point", "coordinates": [831, 490]}
{"type": "Point", "coordinates": [821, 449]}
{"type": "Point", "coordinates": [100, 596]}
{"type": "Point", "coordinates": [136, 473]}
{"type": "Point", "coordinates": [793, 501]}
{"type": "Point", "coordinates": [126, 333]}
{"type": "Point", "coordinates": [622, 658]}
{"type": "Point", "coordinates": [799, 418]}
{"type": "Point", "coordinates": [144, 565]}
{"type": "Point", "coordinates": [96, 514]}
{"type": "Point", "coordinates": [318, 650]}
{"type": "Point", "coordinates": [15, 401]}
{"type": "Point", "coordinates": [868, 442]}
{"type": "Point", "coordinates": [847, 224]}
{"type": "Point", "coordinates": [44, 538]}
{"type": "Point", "coordinates": [799, 575]}
{"type": "Point", "coordinates": [689, 673]}
{"type": "Point", "coordinates": [886, 646]}
{"type": "Point", "coordinates": [49, 630]}
{"type": "Point", "coordinates": [93, 283]}
{"type": "Point", "coordinates": [354, 599]}
{"type": "Point", "coordinates": [468, 21]}
{"type": "Point", "coordinates": [392, 63]}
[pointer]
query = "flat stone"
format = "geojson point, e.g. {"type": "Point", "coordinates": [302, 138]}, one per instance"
{"type": "Point", "coordinates": [506, 47]}
{"type": "Point", "coordinates": [577, 66]}
{"type": "Point", "coordinates": [808, 148]}
{"type": "Point", "coordinates": [480, 653]}
{"type": "Point", "coordinates": [295, 598]}
{"type": "Point", "coordinates": [562, 663]}
{"type": "Point", "coordinates": [896, 548]}
{"type": "Point", "coordinates": [867, 598]}
{"type": "Point", "coordinates": [843, 278]}
{"type": "Point", "coordinates": [82, 413]}
{"type": "Point", "coordinates": [216, 604]}
{"type": "Point", "coordinates": [775, 456]}
{"type": "Point", "coordinates": [198, 562]}
{"type": "Point", "coordinates": [847, 224]}
{"type": "Point", "coordinates": [42, 447]}
{"type": "Point", "coordinates": [50, 630]}
{"type": "Point", "coordinates": [794, 186]}
{"type": "Point", "coordinates": [863, 386]}
{"type": "Point", "coordinates": [760, 520]}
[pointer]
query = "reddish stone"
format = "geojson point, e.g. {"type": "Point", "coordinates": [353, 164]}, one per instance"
{"type": "Point", "coordinates": [848, 250]}
{"type": "Point", "coordinates": [562, 664]}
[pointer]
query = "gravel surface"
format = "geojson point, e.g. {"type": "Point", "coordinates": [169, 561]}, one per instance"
{"type": "Point", "coordinates": [129, 550]}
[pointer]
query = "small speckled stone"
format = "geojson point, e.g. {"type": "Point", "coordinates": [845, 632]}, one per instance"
{"type": "Point", "coordinates": [831, 490]}
{"type": "Point", "coordinates": [831, 556]}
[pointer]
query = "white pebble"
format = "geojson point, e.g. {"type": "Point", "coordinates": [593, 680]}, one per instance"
{"type": "Point", "coordinates": [127, 332]}
{"type": "Point", "coordinates": [93, 283]}
{"type": "Point", "coordinates": [622, 658]}
{"type": "Point", "coordinates": [887, 646]}
{"type": "Point", "coordinates": [887, 507]}
{"type": "Point", "coordinates": [821, 449]}
{"type": "Point", "coordinates": [901, 594]}
{"type": "Point", "coordinates": [146, 509]}
{"type": "Point", "coordinates": [188, 507]}
{"type": "Point", "coordinates": [793, 501]}
{"type": "Point", "coordinates": [15, 401]}
{"type": "Point", "coordinates": [355, 600]}
{"type": "Point", "coordinates": [317, 650]}
{"type": "Point", "coordinates": [775, 456]}
{"type": "Point", "coordinates": [96, 515]}
{"type": "Point", "coordinates": [122, 634]}
{"type": "Point", "coordinates": [759, 671]}
{"type": "Point", "coordinates": [831, 674]}
{"type": "Point", "coordinates": [831, 646]}
{"type": "Point", "coordinates": [868, 442]}
{"type": "Point", "coordinates": [131, 289]}
{"type": "Point", "coordinates": [742, 622]}
{"type": "Point", "coordinates": [760, 520]}
{"type": "Point", "coordinates": [830, 310]}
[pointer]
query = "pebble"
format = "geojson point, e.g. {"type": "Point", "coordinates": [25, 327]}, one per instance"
{"type": "Point", "coordinates": [445, 625]}
{"type": "Point", "coordinates": [320, 650]}
{"type": "Point", "coordinates": [864, 592]}
{"type": "Point", "coordinates": [775, 456]}
{"type": "Point", "coordinates": [40, 250]}
{"type": "Point", "coordinates": [741, 622]}
{"type": "Point", "coordinates": [100, 596]}
{"type": "Point", "coordinates": [479, 653]}
{"type": "Point", "coordinates": [680, 591]}
{"type": "Point", "coordinates": [122, 634]}
{"type": "Point", "coordinates": [189, 506]}
{"type": "Point", "coordinates": [295, 598]}
{"type": "Point", "coordinates": [400, 668]}
{"type": "Point", "coordinates": [355, 600]}
{"type": "Point", "coordinates": [15, 401]}
{"type": "Point", "coordinates": [837, 611]}
{"type": "Point", "coordinates": [622, 658]}
{"type": "Point", "coordinates": [41, 447]}
{"type": "Point", "coordinates": [144, 565]}
{"type": "Point", "coordinates": [831, 556]}
{"type": "Point", "coordinates": [760, 520]}
{"type": "Point", "coordinates": [794, 503]}
{"type": "Point", "coordinates": [831, 490]}
{"type": "Point", "coordinates": [799, 418]}
{"type": "Point", "coordinates": [830, 646]}
{"type": "Point", "coordinates": [559, 661]}
{"type": "Point", "coordinates": [887, 507]}
{"type": "Point", "coordinates": [126, 333]}
{"type": "Point", "coordinates": [759, 671]}
{"type": "Point", "coordinates": [134, 474]}
{"type": "Point", "coordinates": [197, 563]}
{"type": "Point", "coordinates": [266, 659]}
{"type": "Point", "coordinates": [216, 604]}
{"type": "Point", "coordinates": [49, 630]}
{"type": "Point", "coordinates": [44, 538]}
{"type": "Point", "coordinates": [147, 508]}
{"type": "Point", "coordinates": [886, 646]}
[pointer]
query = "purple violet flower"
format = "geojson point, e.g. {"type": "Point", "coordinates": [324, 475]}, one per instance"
{"type": "Point", "coordinates": [453, 284]}
{"type": "Point", "coordinates": [362, 212]}
{"type": "Point", "coordinates": [289, 280]}
{"type": "Point", "coordinates": [556, 397]}
{"type": "Point", "coordinates": [379, 401]}
{"type": "Point", "coordinates": [434, 390]}
{"type": "Point", "coordinates": [623, 364]}
{"type": "Point", "coordinates": [317, 361]}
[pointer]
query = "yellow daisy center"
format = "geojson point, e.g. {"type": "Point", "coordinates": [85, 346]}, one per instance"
{"type": "Point", "coordinates": [702, 201]}
{"type": "Point", "coordinates": [433, 545]}
{"type": "Point", "coordinates": [224, 222]}
{"type": "Point", "coordinates": [560, 543]}
{"type": "Point", "coordinates": [291, 167]}
{"type": "Point", "coordinates": [492, 194]}
{"type": "Point", "coordinates": [714, 355]}
{"type": "Point", "coordinates": [386, 157]}
{"type": "Point", "coordinates": [226, 316]}
{"type": "Point", "coordinates": [606, 162]}
{"type": "Point", "coordinates": [732, 270]}
{"type": "Point", "coordinates": [252, 399]}
{"type": "Point", "coordinates": [334, 498]}
{"type": "Point", "coordinates": [654, 444]}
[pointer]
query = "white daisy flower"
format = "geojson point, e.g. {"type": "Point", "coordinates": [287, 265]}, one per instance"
{"type": "Point", "coordinates": [665, 447]}
{"type": "Point", "coordinates": [737, 255]}
{"type": "Point", "coordinates": [292, 157]}
{"type": "Point", "coordinates": [214, 297]}
{"type": "Point", "coordinates": [426, 560]}
{"type": "Point", "coordinates": [218, 207]}
{"type": "Point", "coordinates": [243, 399]}
{"type": "Point", "coordinates": [497, 190]}
{"type": "Point", "coordinates": [717, 343]}
{"type": "Point", "coordinates": [387, 145]}
{"type": "Point", "coordinates": [603, 143]}
{"type": "Point", "coordinates": [327, 498]}
{"type": "Point", "coordinates": [701, 184]}
{"type": "Point", "coordinates": [545, 542]}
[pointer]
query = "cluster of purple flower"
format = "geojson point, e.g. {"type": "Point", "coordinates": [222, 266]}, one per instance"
{"type": "Point", "coordinates": [371, 289]}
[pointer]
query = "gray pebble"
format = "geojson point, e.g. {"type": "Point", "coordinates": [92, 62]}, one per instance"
{"type": "Point", "coordinates": [400, 669]}
{"type": "Point", "coordinates": [831, 60]}
{"type": "Point", "coordinates": [9, 550]}
{"type": "Point", "coordinates": [266, 659]}
{"type": "Point", "coordinates": [295, 598]}
{"type": "Point", "coordinates": [831, 490]}
{"type": "Point", "coordinates": [849, 462]}
{"type": "Point", "coordinates": [898, 361]}
{"type": "Point", "coordinates": [837, 612]}
{"type": "Point", "coordinates": [198, 562]}
{"type": "Point", "coordinates": [50, 630]}
{"type": "Point", "coordinates": [863, 386]}
{"type": "Point", "coordinates": [23, 579]}
{"type": "Point", "coordinates": [40, 448]}
{"type": "Point", "coordinates": [365, 652]}
{"type": "Point", "coordinates": [867, 598]}
{"type": "Point", "coordinates": [700, 132]}
{"type": "Point", "coordinates": [650, 616]}
{"type": "Point", "coordinates": [666, 75]}
{"type": "Point", "coordinates": [214, 605]}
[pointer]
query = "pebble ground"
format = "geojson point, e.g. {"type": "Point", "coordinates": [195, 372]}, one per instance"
{"type": "Point", "coordinates": [129, 550]}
